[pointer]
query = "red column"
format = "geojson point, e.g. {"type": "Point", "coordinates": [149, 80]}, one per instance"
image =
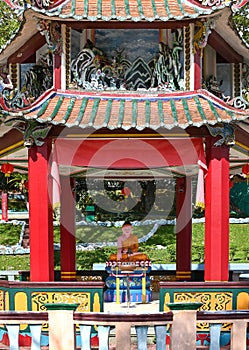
{"type": "Point", "coordinates": [40, 215]}
{"type": "Point", "coordinates": [197, 70]}
{"type": "Point", "coordinates": [217, 212]}
{"type": "Point", "coordinates": [67, 229]}
{"type": "Point", "coordinates": [57, 71]}
{"type": "Point", "coordinates": [183, 228]}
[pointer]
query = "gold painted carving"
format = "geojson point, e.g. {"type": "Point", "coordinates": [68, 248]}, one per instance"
{"type": "Point", "coordinates": [68, 55]}
{"type": "Point", "coordinates": [187, 53]}
{"type": "Point", "coordinates": [215, 301]}
{"type": "Point", "coordinates": [41, 298]}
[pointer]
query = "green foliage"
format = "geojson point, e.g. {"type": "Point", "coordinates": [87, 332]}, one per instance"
{"type": "Point", "coordinates": [9, 23]}
{"type": "Point", "coordinates": [241, 23]}
{"type": "Point", "coordinates": [239, 243]}
{"type": "Point", "coordinates": [239, 198]}
{"type": "Point", "coordinates": [86, 259]}
{"type": "Point", "coordinates": [10, 234]}
{"type": "Point", "coordinates": [14, 262]}
{"type": "Point", "coordinates": [161, 247]}
{"type": "Point", "coordinates": [141, 193]}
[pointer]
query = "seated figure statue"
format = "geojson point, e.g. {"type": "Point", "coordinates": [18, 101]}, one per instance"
{"type": "Point", "coordinates": [128, 246]}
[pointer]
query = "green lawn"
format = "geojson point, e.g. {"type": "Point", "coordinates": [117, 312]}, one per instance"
{"type": "Point", "coordinates": [160, 247]}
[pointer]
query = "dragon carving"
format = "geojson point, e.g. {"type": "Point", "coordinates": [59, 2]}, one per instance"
{"type": "Point", "coordinates": [226, 131]}
{"type": "Point", "coordinates": [33, 132]}
{"type": "Point", "coordinates": [202, 33]}
{"type": "Point", "coordinates": [51, 31]}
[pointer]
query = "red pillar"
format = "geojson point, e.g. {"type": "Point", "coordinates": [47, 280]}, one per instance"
{"type": "Point", "coordinates": [57, 71]}
{"type": "Point", "coordinates": [217, 212]}
{"type": "Point", "coordinates": [197, 70]}
{"type": "Point", "coordinates": [40, 215]}
{"type": "Point", "coordinates": [67, 229]}
{"type": "Point", "coordinates": [183, 228]}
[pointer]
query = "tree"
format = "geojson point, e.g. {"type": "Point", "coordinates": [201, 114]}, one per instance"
{"type": "Point", "coordinates": [9, 23]}
{"type": "Point", "coordinates": [241, 23]}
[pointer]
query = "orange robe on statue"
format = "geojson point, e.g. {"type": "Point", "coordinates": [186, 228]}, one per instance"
{"type": "Point", "coordinates": [130, 251]}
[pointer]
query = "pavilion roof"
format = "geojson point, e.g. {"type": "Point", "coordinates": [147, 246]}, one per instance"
{"type": "Point", "coordinates": [127, 110]}
{"type": "Point", "coordinates": [125, 10]}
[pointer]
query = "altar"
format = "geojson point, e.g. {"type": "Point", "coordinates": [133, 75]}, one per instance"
{"type": "Point", "coordinates": [128, 270]}
{"type": "Point", "coordinates": [128, 282]}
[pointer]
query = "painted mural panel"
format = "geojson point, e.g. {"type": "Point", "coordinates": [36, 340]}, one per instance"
{"type": "Point", "coordinates": [130, 60]}
{"type": "Point", "coordinates": [134, 43]}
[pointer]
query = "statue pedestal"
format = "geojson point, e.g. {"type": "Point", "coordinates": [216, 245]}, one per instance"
{"type": "Point", "coordinates": [128, 282]}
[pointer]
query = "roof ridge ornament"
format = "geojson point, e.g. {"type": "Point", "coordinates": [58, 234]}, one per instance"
{"type": "Point", "coordinates": [46, 4]}
{"type": "Point", "coordinates": [238, 4]}
{"type": "Point", "coordinates": [235, 4]}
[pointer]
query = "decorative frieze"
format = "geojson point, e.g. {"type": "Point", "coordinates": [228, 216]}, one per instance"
{"type": "Point", "coordinates": [67, 55]}
{"type": "Point", "coordinates": [187, 56]}
{"type": "Point", "coordinates": [52, 32]}
{"type": "Point", "coordinates": [93, 70]}
{"type": "Point", "coordinates": [235, 4]}
{"type": "Point", "coordinates": [236, 79]}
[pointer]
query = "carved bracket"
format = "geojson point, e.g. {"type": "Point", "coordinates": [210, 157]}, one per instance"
{"type": "Point", "coordinates": [33, 132]}
{"type": "Point", "coordinates": [226, 131]}
{"type": "Point", "coordinates": [52, 32]}
{"type": "Point", "coordinates": [203, 30]}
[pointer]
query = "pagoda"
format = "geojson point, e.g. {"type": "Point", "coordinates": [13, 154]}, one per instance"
{"type": "Point", "coordinates": [121, 88]}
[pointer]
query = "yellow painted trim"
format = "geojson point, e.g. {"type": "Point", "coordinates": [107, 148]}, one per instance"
{"type": "Point", "coordinates": [242, 145]}
{"type": "Point", "coordinates": [96, 303]}
{"type": "Point", "coordinates": [183, 276]}
{"type": "Point", "coordinates": [6, 301]}
{"type": "Point", "coordinates": [10, 148]}
{"type": "Point", "coordinates": [242, 301]}
{"type": "Point", "coordinates": [166, 301]}
{"type": "Point", "coordinates": [21, 302]}
{"type": "Point", "coordinates": [223, 281]}
{"type": "Point", "coordinates": [127, 135]}
{"type": "Point", "coordinates": [183, 272]}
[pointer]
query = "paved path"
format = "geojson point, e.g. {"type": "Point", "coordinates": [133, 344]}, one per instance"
{"type": "Point", "coordinates": [150, 307]}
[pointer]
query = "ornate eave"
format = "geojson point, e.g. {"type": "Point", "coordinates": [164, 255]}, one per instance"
{"type": "Point", "coordinates": [124, 110]}
{"type": "Point", "coordinates": [128, 10]}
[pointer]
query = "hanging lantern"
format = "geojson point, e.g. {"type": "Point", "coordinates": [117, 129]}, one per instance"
{"type": "Point", "coordinates": [26, 185]}
{"type": "Point", "coordinates": [245, 170]}
{"type": "Point", "coordinates": [7, 169]}
{"type": "Point", "coordinates": [126, 192]}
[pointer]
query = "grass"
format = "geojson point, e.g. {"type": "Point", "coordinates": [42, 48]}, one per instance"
{"type": "Point", "coordinates": [160, 247]}
{"type": "Point", "coordinates": [14, 262]}
{"type": "Point", "coordinates": [9, 234]}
